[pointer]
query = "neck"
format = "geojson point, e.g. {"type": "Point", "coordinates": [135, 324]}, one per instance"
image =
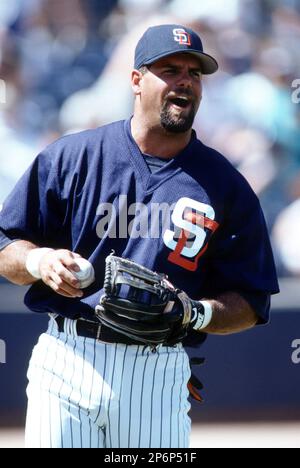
{"type": "Point", "coordinates": [157, 141]}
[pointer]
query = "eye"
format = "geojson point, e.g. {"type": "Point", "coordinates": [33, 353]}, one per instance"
{"type": "Point", "coordinates": [197, 74]}
{"type": "Point", "coordinates": [170, 71]}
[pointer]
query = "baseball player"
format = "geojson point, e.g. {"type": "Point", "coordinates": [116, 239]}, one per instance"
{"type": "Point", "coordinates": [137, 240]}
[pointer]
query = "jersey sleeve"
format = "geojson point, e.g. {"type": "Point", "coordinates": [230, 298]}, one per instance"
{"type": "Point", "coordinates": [5, 241]}
{"type": "Point", "coordinates": [241, 258]}
{"type": "Point", "coordinates": [34, 210]}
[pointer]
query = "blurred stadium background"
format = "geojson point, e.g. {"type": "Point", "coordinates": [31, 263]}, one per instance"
{"type": "Point", "coordinates": [64, 67]}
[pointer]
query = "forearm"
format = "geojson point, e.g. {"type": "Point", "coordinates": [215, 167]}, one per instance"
{"type": "Point", "coordinates": [231, 314]}
{"type": "Point", "coordinates": [54, 267]}
{"type": "Point", "coordinates": [13, 263]}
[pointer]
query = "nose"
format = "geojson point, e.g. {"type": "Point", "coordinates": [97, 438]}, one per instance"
{"type": "Point", "coordinates": [184, 80]}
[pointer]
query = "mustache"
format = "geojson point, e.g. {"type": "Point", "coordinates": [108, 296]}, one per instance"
{"type": "Point", "coordinates": [182, 92]}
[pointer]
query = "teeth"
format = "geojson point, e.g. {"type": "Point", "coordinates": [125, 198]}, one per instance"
{"type": "Point", "coordinates": [180, 101]}
{"type": "Point", "coordinates": [184, 98]}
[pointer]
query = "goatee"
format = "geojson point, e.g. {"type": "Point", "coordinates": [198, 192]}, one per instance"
{"type": "Point", "coordinates": [177, 124]}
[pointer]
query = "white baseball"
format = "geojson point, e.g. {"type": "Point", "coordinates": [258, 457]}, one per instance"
{"type": "Point", "coordinates": [86, 275]}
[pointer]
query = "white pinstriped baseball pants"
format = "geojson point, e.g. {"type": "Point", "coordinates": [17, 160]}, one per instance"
{"type": "Point", "coordinates": [83, 393]}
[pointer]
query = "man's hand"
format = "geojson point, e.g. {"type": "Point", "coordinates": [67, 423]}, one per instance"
{"type": "Point", "coordinates": [55, 269]}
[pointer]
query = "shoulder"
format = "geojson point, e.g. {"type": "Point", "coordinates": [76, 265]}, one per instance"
{"type": "Point", "coordinates": [222, 173]}
{"type": "Point", "coordinates": [74, 148]}
{"type": "Point", "coordinates": [214, 160]}
{"type": "Point", "coordinates": [86, 138]}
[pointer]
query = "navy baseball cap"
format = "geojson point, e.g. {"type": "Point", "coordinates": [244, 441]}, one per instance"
{"type": "Point", "coordinates": [169, 39]}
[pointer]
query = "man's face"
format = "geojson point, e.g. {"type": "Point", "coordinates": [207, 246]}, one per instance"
{"type": "Point", "coordinates": [171, 92]}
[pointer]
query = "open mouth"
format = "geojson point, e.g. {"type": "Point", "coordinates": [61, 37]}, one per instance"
{"type": "Point", "coordinates": [180, 102]}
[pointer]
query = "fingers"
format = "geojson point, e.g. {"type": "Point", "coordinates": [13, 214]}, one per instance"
{"type": "Point", "coordinates": [64, 287]}
{"type": "Point", "coordinates": [55, 268]}
{"type": "Point", "coordinates": [58, 290]}
{"type": "Point", "coordinates": [68, 259]}
{"type": "Point", "coordinates": [64, 273]}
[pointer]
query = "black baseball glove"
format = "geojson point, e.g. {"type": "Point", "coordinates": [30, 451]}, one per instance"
{"type": "Point", "coordinates": [144, 305]}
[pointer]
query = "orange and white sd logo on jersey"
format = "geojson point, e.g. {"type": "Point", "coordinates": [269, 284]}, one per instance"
{"type": "Point", "coordinates": [181, 36]}
{"type": "Point", "coordinates": [195, 224]}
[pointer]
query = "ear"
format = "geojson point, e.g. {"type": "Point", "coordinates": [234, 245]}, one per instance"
{"type": "Point", "coordinates": [136, 77]}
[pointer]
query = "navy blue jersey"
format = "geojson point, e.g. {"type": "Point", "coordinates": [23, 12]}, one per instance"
{"type": "Point", "coordinates": [93, 192]}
